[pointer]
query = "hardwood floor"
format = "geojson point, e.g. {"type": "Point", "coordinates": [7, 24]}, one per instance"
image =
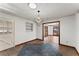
{"type": "Point", "coordinates": [12, 51]}
{"type": "Point", "coordinates": [66, 51]}
{"type": "Point", "coordinates": [51, 39]}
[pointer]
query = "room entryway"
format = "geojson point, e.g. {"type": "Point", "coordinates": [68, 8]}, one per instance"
{"type": "Point", "coordinates": [51, 32]}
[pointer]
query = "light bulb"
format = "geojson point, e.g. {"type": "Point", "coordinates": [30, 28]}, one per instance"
{"type": "Point", "coordinates": [32, 5]}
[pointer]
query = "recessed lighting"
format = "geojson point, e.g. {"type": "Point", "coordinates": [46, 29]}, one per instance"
{"type": "Point", "coordinates": [32, 5]}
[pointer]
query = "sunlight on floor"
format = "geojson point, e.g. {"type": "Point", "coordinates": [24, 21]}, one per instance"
{"type": "Point", "coordinates": [51, 39]}
{"type": "Point", "coordinates": [54, 40]}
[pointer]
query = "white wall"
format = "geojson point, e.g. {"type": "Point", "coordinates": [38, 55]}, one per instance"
{"type": "Point", "coordinates": [20, 31]}
{"type": "Point", "coordinates": [67, 30]}
{"type": "Point", "coordinates": [77, 32]}
{"type": "Point", "coordinates": [39, 31]}
{"type": "Point", "coordinates": [50, 30]}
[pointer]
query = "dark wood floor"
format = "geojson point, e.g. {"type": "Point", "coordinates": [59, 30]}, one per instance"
{"type": "Point", "coordinates": [66, 51]}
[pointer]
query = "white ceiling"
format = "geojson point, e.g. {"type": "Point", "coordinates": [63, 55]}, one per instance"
{"type": "Point", "coordinates": [47, 10]}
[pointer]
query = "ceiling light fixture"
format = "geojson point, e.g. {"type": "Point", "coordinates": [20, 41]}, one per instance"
{"type": "Point", "coordinates": [32, 5]}
{"type": "Point", "coordinates": [38, 20]}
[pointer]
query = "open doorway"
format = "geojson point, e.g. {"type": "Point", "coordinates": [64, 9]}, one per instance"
{"type": "Point", "coordinates": [51, 32]}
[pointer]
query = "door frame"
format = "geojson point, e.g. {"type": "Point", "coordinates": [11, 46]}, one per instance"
{"type": "Point", "coordinates": [48, 23]}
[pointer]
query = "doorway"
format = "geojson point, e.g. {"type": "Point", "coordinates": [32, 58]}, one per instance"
{"type": "Point", "coordinates": [51, 32]}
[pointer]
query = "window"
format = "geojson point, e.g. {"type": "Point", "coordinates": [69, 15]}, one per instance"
{"type": "Point", "coordinates": [5, 27]}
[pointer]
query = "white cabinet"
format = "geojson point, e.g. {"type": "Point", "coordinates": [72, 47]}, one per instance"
{"type": "Point", "coordinates": [6, 34]}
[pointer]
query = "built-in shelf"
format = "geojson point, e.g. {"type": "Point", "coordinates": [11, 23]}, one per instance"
{"type": "Point", "coordinates": [29, 26]}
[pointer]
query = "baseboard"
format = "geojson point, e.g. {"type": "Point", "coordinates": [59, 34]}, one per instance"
{"type": "Point", "coordinates": [71, 47]}
{"type": "Point", "coordinates": [28, 41]}
{"type": "Point", "coordinates": [76, 51]}
{"type": "Point", "coordinates": [39, 39]}
{"type": "Point", "coordinates": [66, 45]}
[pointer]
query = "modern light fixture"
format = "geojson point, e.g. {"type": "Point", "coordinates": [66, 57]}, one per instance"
{"type": "Point", "coordinates": [38, 19]}
{"type": "Point", "coordinates": [32, 5]}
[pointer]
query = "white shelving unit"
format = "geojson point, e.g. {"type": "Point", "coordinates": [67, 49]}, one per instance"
{"type": "Point", "coordinates": [6, 34]}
